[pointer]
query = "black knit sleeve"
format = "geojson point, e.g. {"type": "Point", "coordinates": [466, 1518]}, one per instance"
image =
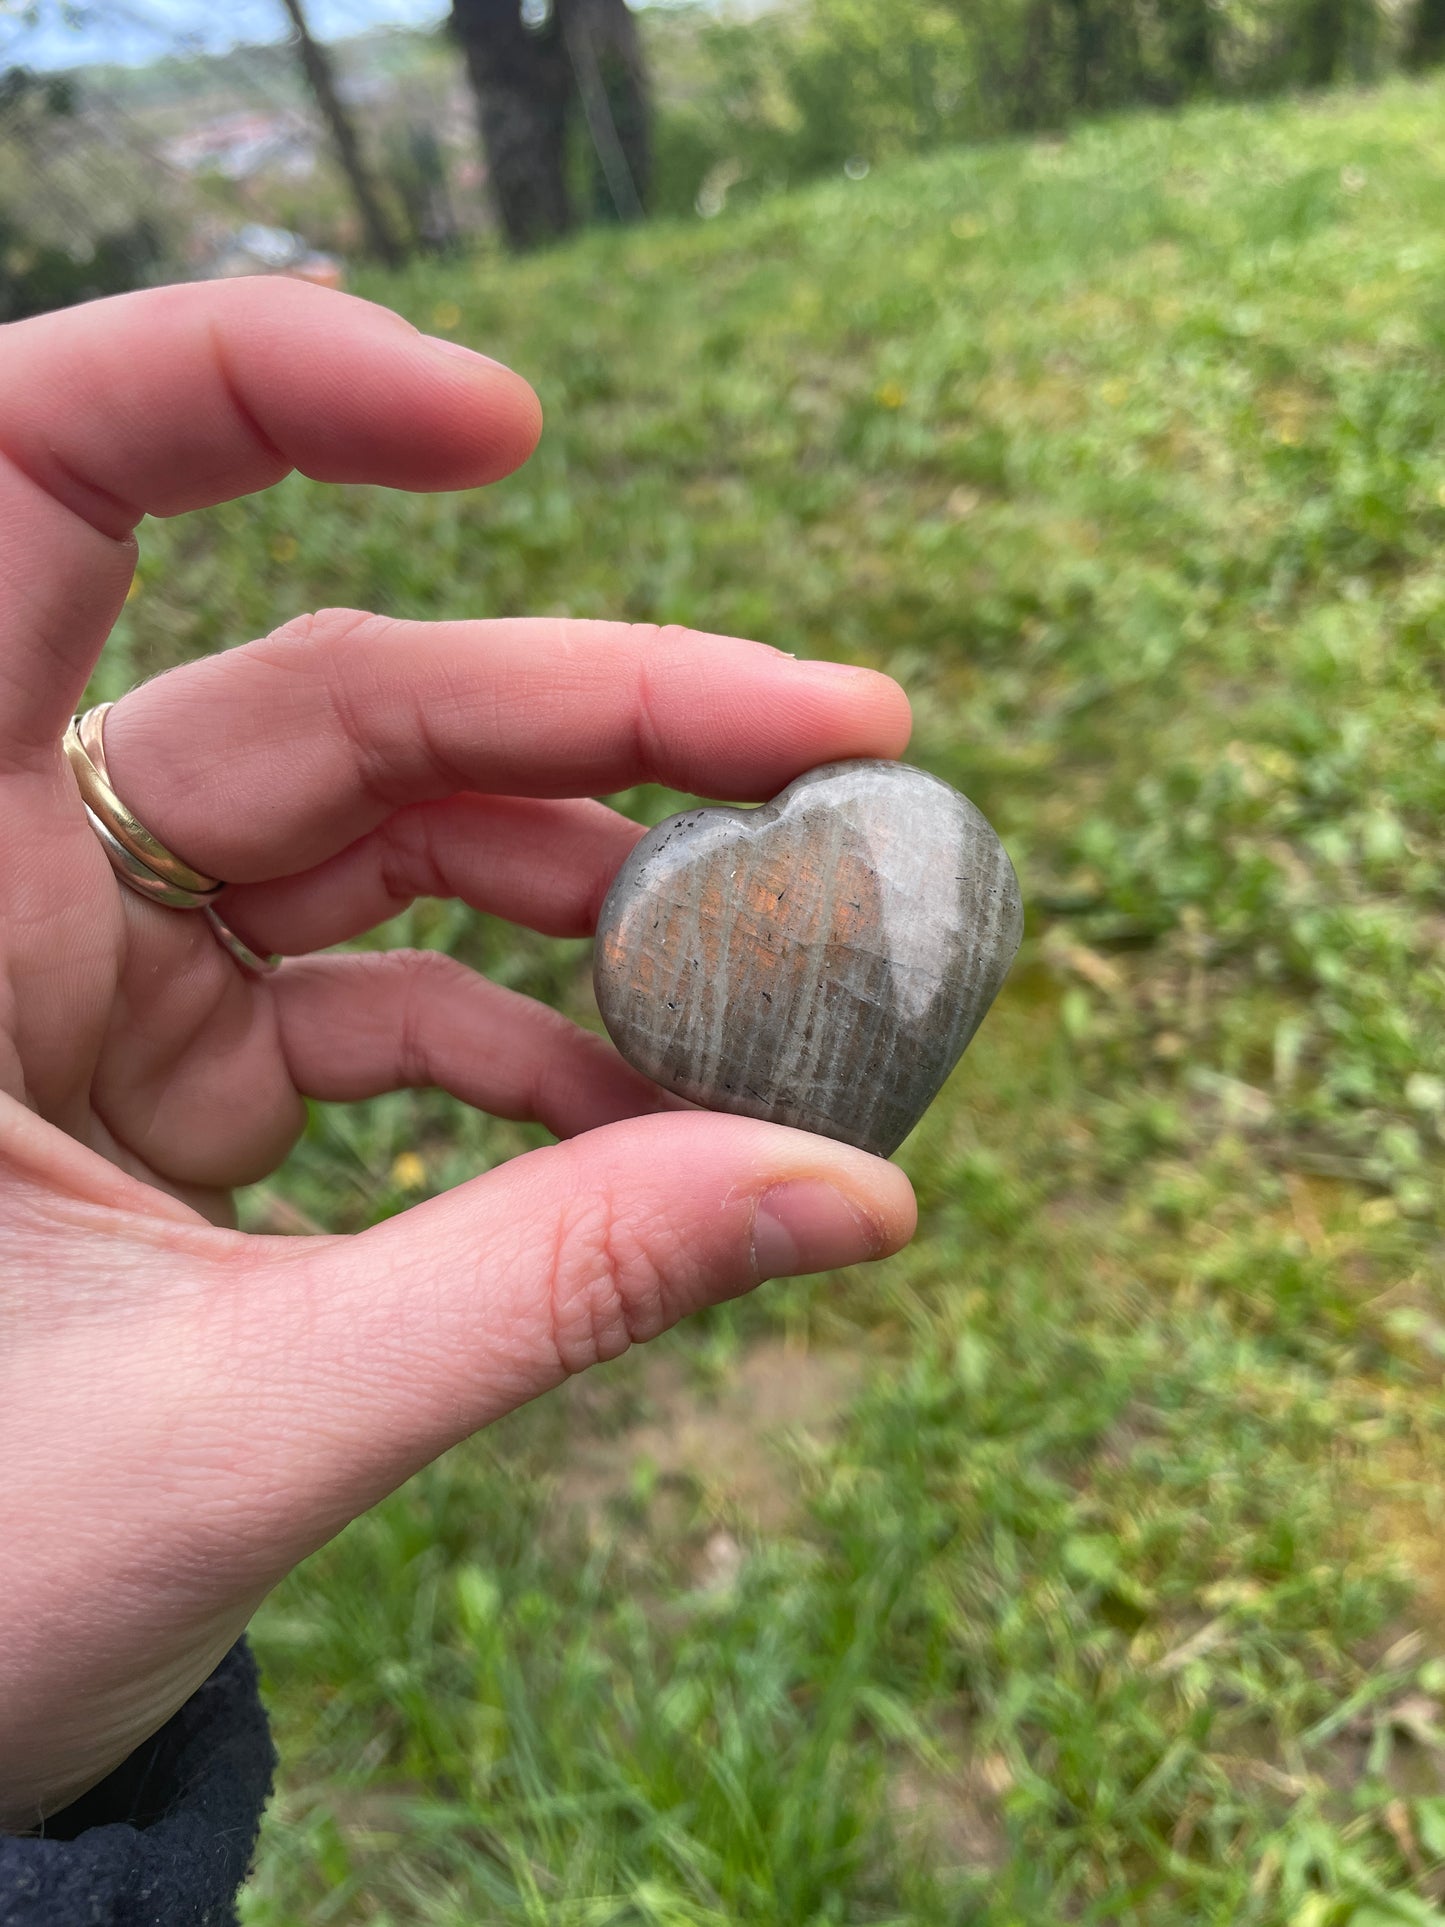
{"type": "Point", "coordinates": [166, 1840]}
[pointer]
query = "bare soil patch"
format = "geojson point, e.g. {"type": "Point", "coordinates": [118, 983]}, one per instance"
{"type": "Point", "coordinates": [728, 1442]}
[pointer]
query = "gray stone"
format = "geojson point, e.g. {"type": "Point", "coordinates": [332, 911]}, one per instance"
{"type": "Point", "coordinates": [822, 961]}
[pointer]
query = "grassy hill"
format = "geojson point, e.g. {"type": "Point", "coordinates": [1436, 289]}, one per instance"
{"type": "Point", "coordinates": [1084, 1563]}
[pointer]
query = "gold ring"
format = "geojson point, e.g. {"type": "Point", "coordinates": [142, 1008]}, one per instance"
{"type": "Point", "coordinates": [245, 956]}
{"type": "Point", "coordinates": [134, 874]}
{"type": "Point", "coordinates": [85, 748]}
{"type": "Point", "coordinates": [139, 858]}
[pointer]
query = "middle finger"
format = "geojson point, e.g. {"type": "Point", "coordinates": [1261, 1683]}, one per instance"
{"type": "Point", "coordinates": [270, 758]}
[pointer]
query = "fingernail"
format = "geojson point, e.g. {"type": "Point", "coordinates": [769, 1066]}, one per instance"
{"type": "Point", "coordinates": [805, 1226]}
{"type": "Point", "coordinates": [460, 352]}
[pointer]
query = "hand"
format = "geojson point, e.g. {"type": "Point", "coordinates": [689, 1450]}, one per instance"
{"type": "Point", "coordinates": [186, 1412]}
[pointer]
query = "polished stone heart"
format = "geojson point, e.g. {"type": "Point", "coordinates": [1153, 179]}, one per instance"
{"type": "Point", "coordinates": [822, 961]}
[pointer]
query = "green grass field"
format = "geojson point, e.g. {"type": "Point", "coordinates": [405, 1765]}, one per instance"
{"type": "Point", "coordinates": [1084, 1563]}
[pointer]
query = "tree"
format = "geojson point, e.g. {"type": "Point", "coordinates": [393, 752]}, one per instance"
{"type": "Point", "coordinates": [74, 222]}
{"type": "Point", "coordinates": [381, 241]}
{"type": "Point", "coordinates": [1426, 45]}
{"type": "Point", "coordinates": [1324, 32]}
{"type": "Point", "coordinates": [535, 69]}
{"type": "Point", "coordinates": [520, 77]}
{"type": "Point", "coordinates": [1191, 27]}
{"type": "Point", "coordinates": [604, 52]}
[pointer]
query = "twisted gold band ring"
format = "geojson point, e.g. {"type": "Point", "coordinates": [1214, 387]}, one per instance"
{"type": "Point", "coordinates": [138, 857]}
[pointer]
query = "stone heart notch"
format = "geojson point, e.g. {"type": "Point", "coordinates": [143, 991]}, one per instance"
{"type": "Point", "coordinates": [822, 961]}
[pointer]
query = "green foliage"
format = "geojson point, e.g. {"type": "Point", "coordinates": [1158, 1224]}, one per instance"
{"type": "Point", "coordinates": [63, 239]}
{"type": "Point", "coordinates": [811, 87]}
{"type": "Point", "coordinates": [1104, 1584]}
{"type": "Point", "coordinates": [36, 278]}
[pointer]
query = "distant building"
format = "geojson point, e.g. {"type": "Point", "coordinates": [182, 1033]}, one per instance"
{"type": "Point", "coordinates": [241, 145]}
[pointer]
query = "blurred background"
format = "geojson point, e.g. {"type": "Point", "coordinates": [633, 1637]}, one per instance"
{"type": "Point", "coordinates": [1080, 363]}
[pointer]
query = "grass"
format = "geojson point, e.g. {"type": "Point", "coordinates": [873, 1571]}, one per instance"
{"type": "Point", "coordinates": [1083, 1563]}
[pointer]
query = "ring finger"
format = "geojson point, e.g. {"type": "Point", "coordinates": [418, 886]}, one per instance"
{"type": "Point", "coordinates": [540, 862]}
{"type": "Point", "coordinates": [543, 863]}
{"type": "Point", "coordinates": [349, 1027]}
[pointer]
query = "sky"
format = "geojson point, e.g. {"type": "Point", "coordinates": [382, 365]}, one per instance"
{"type": "Point", "coordinates": [36, 33]}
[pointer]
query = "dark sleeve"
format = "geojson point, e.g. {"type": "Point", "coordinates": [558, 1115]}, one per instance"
{"type": "Point", "coordinates": [166, 1840]}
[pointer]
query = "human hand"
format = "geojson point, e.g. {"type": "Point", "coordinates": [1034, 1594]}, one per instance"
{"type": "Point", "coordinates": [186, 1412]}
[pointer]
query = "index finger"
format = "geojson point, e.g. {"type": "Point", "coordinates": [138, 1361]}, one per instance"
{"type": "Point", "coordinates": [180, 397]}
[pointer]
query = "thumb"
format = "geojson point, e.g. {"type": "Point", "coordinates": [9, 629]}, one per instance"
{"type": "Point", "coordinates": [185, 1413]}
{"type": "Point", "coordinates": [408, 1337]}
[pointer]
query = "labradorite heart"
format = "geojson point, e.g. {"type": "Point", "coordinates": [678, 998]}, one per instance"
{"type": "Point", "coordinates": [822, 961]}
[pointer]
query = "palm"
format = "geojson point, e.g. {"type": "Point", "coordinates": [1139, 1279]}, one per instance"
{"type": "Point", "coordinates": [156, 1050]}
{"type": "Point", "coordinates": [185, 1412]}
{"type": "Point", "coordinates": [121, 1050]}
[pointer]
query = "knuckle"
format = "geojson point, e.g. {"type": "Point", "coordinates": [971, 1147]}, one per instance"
{"type": "Point", "coordinates": [561, 1062]}
{"type": "Point", "coordinates": [410, 860]}
{"type": "Point", "coordinates": [425, 981]}
{"type": "Point", "coordinates": [322, 647]}
{"type": "Point", "coordinates": [672, 639]}
{"type": "Point", "coordinates": [608, 1284]}
{"type": "Point", "coordinates": [650, 736]}
{"type": "Point", "coordinates": [433, 967]}
{"type": "Point", "coordinates": [321, 629]}
{"type": "Point", "coordinates": [355, 661]}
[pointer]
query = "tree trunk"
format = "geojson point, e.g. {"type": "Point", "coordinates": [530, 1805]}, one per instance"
{"type": "Point", "coordinates": [380, 240]}
{"type": "Point", "coordinates": [522, 80]}
{"type": "Point", "coordinates": [1427, 35]}
{"type": "Point", "coordinates": [609, 70]}
{"type": "Point", "coordinates": [1192, 36]}
{"type": "Point", "coordinates": [1084, 54]}
{"type": "Point", "coordinates": [1324, 30]}
{"type": "Point", "coordinates": [1032, 101]}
